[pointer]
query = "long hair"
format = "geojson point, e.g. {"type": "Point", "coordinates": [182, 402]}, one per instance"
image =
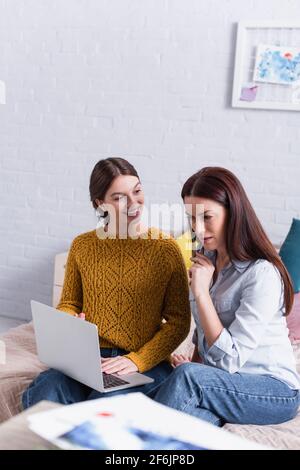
{"type": "Point", "coordinates": [246, 239]}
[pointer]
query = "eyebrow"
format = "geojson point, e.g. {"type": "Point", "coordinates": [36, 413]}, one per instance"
{"type": "Point", "coordinates": [116, 194]}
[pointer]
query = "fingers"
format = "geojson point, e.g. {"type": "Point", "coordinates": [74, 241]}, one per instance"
{"type": "Point", "coordinates": [80, 315]}
{"type": "Point", "coordinates": [107, 360]}
{"type": "Point", "coordinates": [200, 259]}
{"type": "Point", "coordinates": [173, 359]}
{"type": "Point", "coordinates": [191, 272]}
{"type": "Point", "coordinates": [113, 365]}
{"type": "Point", "coordinates": [198, 265]}
{"type": "Point", "coordinates": [126, 370]}
{"type": "Point", "coordinates": [179, 356]}
{"type": "Point", "coordinates": [118, 365]}
{"type": "Point", "coordinates": [113, 368]}
{"type": "Point", "coordinates": [178, 359]}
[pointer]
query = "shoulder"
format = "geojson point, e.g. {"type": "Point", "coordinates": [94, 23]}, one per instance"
{"type": "Point", "coordinates": [263, 272]}
{"type": "Point", "coordinates": [167, 246]}
{"type": "Point", "coordinates": [82, 240]}
{"type": "Point", "coordinates": [263, 266]}
{"type": "Point", "coordinates": [164, 241]}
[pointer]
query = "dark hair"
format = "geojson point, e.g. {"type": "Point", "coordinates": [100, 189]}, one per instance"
{"type": "Point", "coordinates": [103, 174]}
{"type": "Point", "coordinates": [246, 239]}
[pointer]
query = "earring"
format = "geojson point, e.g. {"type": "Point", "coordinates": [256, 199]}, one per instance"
{"type": "Point", "coordinates": [100, 212]}
{"type": "Point", "coordinates": [102, 216]}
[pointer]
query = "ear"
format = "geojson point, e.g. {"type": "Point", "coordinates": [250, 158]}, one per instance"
{"type": "Point", "coordinates": [101, 206]}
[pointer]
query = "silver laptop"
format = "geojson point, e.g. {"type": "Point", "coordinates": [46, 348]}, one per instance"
{"type": "Point", "coordinates": [71, 345]}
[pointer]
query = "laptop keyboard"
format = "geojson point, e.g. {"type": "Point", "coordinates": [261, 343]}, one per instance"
{"type": "Point", "coordinates": [110, 381]}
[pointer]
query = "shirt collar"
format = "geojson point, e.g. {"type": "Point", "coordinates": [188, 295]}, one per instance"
{"type": "Point", "coordinates": [240, 266]}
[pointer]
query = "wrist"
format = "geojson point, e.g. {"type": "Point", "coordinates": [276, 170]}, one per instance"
{"type": "Point", "coordinates": [202, 296]}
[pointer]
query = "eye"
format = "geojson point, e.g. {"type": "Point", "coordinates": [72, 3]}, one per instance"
{"type": "Point", "coordinates": [138, 191]}
{"type": "Point", "coordinates": [207, 217]}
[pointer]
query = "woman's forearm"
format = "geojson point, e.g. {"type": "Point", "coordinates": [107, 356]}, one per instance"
{"type": "Point", "coordinates": [210, 322]}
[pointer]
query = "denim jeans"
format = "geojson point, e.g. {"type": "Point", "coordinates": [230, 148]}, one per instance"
{"type": "Point", "coordinates": [219, 397]}
{"type": "Point", "coordinates": [55, 386]}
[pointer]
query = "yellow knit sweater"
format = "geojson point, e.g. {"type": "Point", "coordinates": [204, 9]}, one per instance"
{"type": "Point", "coordinates": [127, 287]}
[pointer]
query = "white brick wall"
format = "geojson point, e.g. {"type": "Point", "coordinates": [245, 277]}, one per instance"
{"type": "Point", "coordinates": [149, 80]}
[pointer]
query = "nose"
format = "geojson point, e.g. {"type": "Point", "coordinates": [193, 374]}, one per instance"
{"type": "Point", "coordinates": [134, 200]}
{"type": "Point", "coordinates": [130, 201]}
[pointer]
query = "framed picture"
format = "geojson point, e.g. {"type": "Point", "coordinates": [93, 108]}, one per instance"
{"type": "Point", "coordinates": [267, 66]}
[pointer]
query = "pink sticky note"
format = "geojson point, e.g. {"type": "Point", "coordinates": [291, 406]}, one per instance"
{"type": "Point", "coordinates": [248, 93]}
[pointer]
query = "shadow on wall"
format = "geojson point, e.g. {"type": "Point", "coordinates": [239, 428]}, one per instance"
{"type": "Point", "coordinates": [230, 72]}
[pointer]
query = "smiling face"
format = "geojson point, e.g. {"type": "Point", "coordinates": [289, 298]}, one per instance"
{"type": "Point", "coordinates": [208, 220]}
{"type": "Point", "coordinates": [124, 200]}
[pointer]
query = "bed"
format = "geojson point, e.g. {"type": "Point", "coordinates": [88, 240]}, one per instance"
{"type": "Point", "coordinates": [22, 366]}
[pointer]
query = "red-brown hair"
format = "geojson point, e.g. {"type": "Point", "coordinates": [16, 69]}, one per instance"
{"type": "Point", "coordinates": [246, 239]}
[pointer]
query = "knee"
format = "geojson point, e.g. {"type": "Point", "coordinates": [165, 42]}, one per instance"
{"type": "Point", "coordinates": [48, 385]}
{"type": "Point", "coordinates": [179, 386]}
{"type": "Point", "coordinates": [183, 376]}
{"type": "Point", "coordinates": [194, 374]}
{"type": "Point", "coordinates": [36, 382]}
{"type": "Point", "coordinates": [51, 378]}
{"type": "Point", "coordinates": [187, 369]}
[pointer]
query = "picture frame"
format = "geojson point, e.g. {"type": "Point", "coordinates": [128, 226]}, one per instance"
{"type": "Point", "coordinates": [253, 40]}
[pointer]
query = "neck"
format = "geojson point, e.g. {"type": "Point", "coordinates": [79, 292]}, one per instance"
{"type": "Point", "coordinates": [132, 231]}
{"type": "Point", "coordinates": [222, 259]}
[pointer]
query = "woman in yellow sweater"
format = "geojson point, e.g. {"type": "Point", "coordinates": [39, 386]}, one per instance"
{"type": "Point", "coordinates": [130, 281]}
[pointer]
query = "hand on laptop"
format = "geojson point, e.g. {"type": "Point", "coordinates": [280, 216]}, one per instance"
{"type": "Point", "coordinates": [118, 365]}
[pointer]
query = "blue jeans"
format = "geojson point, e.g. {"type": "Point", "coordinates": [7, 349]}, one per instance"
{"type": "Point", "coordinates": [55, 386]}
{"type": "Point", "coordinates": [219, 397]}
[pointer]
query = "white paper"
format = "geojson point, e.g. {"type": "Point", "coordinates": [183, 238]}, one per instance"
{"type": "Point", "coordinates": [139, 411]}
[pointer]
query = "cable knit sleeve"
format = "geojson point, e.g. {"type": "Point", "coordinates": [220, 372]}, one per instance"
{"type": "Point", "coordinates": [176, 314]}
{"type": "Point", "coordinates": [71, 297]}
